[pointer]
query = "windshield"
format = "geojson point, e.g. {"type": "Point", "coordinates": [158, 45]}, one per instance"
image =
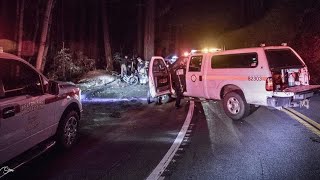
{"type": "Point", "coordinates": [280, 58]}
{"type": "Point", "coordinates": [179, 63]}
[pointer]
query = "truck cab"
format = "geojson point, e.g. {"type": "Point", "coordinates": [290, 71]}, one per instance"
{"type": "Point", "coordinates": [273, 76]}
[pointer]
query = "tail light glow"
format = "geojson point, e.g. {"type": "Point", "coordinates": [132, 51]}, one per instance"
{"type": "Point", "coordinates": [269, 84]}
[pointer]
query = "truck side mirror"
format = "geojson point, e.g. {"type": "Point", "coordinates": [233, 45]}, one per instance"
{"type": "Point", "coordinates": [53, 87]}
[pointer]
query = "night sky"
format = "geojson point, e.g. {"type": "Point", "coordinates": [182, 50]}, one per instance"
{"type": "Point", "coordinates": [199, 23]}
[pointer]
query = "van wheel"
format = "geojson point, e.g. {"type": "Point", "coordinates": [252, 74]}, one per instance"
{"type": "Point", "coordinates": [68, 128]}
{"type": "Point", "coordinates": [165, 98]}
{"type": "Point", "coordinates": [235, 105]}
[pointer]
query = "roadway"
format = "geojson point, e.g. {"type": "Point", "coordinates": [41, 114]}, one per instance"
{"type": "Point", "coordinates": [128, 140]}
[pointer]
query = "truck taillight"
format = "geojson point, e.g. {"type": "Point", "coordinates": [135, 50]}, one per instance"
{"type": "Point", "coordinates": [269, 84]}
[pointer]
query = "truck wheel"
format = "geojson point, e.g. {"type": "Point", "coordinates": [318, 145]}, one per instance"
{"type": "Point", "coordinates": [165, 98]}
{"type": "Point", "coordinates": [67, 132]}
{"type": "Point", "coordinates": [235, 105]}
{"type": "Point", "coordinates": [253, 108]}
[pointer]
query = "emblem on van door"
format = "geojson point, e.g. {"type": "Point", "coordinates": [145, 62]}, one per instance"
{"type": "Point", "coordinates": [193, 78]}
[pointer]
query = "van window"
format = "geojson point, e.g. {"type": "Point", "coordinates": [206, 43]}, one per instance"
{"type": "Point", "coordinates": [245, 60]}
{"type": "Point", "coordinates": [282, 58]}
{"type": "Point", "coordinates": [195, 63]}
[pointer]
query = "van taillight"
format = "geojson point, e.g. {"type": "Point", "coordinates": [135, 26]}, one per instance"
{"type": "Point", "coordinates": [269, 84]}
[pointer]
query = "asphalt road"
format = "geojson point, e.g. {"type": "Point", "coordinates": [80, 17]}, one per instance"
{"type": "Point", "coordinates": [118, 141]}
{"type": "Point", "coordinates": [266, 145]}
{"type": "Point", "coordinates": [128, 140]}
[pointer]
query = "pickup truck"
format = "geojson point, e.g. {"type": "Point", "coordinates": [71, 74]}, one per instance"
{"type": "Point", "coordinates": [273, 76]}
{"type": "Point", "coordinates": [35, 113]}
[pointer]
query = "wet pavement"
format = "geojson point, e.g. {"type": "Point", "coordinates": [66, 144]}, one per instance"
{"type": "Point", "coordinates": [127, 140]}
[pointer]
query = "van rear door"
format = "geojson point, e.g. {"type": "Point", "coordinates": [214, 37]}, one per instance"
{"type": "Point", "coordinates": [159, 77]}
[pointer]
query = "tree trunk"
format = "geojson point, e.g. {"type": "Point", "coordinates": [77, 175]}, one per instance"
{"type": "Point", "coordinates": [149, 30]}
{"type": "Point", "coordinates": [20, 34]}
{"type": "Point", "coordinates": [16, 33]}
{"type": "Point", "coordinates": [44, 59]}
{"type": "Point", "coordinates": [140, 29]}
{"type": "Point", "coordinates": [94, 31]}
{"type": "Point", "coordinates": [106, 40]}
{"type": "Point", "coordinates": [44, 34]}
{"type": "Point", "coordinates": [36, 28]}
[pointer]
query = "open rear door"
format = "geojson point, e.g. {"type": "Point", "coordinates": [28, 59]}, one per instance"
{"type": "Point", "coordinates": [159, 77]}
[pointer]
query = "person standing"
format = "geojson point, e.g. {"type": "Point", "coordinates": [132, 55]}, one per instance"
{"type": "Point", "coordinates": [177, 75]}
{"type": "Point", "coordinates": [142, 71]}
{"type": "Point", "coordinates": [140, 66]}
{"type": "Point", "coordinates": [124, 65]}
{"type": "Point", "coordinates": [178, 72]}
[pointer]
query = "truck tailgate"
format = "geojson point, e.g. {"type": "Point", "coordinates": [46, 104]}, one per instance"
{"type": "Point", "coordinates": [302, 89]}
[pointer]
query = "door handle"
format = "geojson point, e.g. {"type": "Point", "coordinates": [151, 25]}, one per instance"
{"type": "Point", "coordinates": [8, 112]}
{"type": "Point", "coordinates": [200, 78]}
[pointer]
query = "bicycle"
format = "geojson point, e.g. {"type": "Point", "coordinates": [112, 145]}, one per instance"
{"type": "Point", "coordinates": [131, 79]}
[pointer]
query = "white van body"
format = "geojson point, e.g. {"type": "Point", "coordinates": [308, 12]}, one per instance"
{"type": "Point", "coordinates": [274, 76]}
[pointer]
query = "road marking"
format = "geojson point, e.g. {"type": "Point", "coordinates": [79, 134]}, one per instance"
{"type": "Point", "coordinates": [304, 120]}
{"type": "Point", "coordinates": [161, 167]}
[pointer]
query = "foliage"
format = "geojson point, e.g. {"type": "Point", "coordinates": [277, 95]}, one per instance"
{"type": "Point", "coordinates": [309, 50]}
{"type": "Point", "coordinates": [69, 66]}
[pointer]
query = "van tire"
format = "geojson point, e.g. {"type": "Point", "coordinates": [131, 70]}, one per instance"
{"type": "Point", "coordinates": [235, 105]}
{"type": "Point", "coordinates": [68, 130]}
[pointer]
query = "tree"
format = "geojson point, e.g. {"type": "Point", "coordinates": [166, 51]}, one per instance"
{"type": "Point", "coordinates": [44, 34]}
{"type": "Point", "coordinates": [106, 40]}
{"type": "Point", "coordinates": [140, 28]}
{"type": "Point", "coordinates": [20, 9]}
{"type": "Point", "coordinates": [149, 30]}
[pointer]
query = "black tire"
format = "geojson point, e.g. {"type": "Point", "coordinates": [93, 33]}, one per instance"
{"type": "Point", "coordinates": [134, 80]}
{"type": "Point", "coordinates": [253, 108]}
{"type": "Point", "coordinates": [68, 130]}
{"type": "Point", "coordinates": [235, 105]}
{"type": "Point", "coordinates": [165, 98]}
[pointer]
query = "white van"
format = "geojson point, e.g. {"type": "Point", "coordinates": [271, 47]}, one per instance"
{"type": "Point", "coordinates": [274, 76]}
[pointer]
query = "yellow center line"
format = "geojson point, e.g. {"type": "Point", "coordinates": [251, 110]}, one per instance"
{"type": "Point", "coordinates": [310, 121]}
{"type": "Point", "coordinates": [304, 120]}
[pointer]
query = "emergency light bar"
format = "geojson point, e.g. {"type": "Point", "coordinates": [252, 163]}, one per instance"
{"type": "Point", "coordinates": [282, 44]}
{"type": "Point", "coordinates": [205, 50]}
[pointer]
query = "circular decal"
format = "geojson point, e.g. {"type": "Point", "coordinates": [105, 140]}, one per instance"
{"type": "Point", "coordinates": [193, 78]}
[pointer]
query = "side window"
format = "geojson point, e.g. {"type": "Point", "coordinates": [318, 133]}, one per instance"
{"type": "Point", "coordinates": [246, 60]}
{"type": "Point", "coordinates": [195, 63]}
{"type": "Point", "coordinates": [19, 79]}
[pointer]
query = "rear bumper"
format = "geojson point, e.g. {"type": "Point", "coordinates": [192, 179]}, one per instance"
{"type": "Point", "coordinates": [297, 100]}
